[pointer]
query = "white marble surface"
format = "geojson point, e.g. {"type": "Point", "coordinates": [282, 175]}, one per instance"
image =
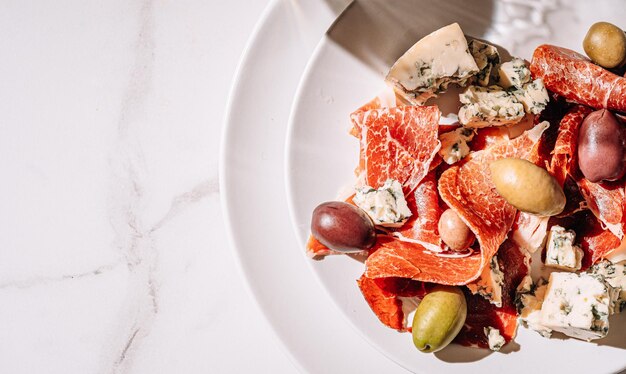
{"type": "Point", "coordinates": [112, 252]}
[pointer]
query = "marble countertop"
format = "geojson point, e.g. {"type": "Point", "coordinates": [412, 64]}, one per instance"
{"type": "Point", "coordinates": [113, 253]}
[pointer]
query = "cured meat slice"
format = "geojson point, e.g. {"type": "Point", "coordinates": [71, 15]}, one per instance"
{"type": "Point", "coordinates": [398, 143]}
{"type": "Point", "coordinates": [469, 191]}
{"type": "Point", "coordinates": [576, 78]}
{"type": "Point", "coordinates": [421, 228]}
{"type": "Point", "coordinates": [389, 299]}
{"type": "Point", "coordinates": [563, 161]}
{"type": "Point", "coordinates": [606, 201]}
{"type": "Point", "coordinates": [481, 314]}
{"type": "Point", "coordinates": [393, 257]}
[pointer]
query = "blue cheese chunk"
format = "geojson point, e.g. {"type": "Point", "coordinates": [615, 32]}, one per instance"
{"type": "Point", "coordinates": [454, 144]}
{"type": "Point", "coordinates": [615, 275]}
{"type": "Point", "coordinates": [577, 305]}
{"type": "Point", "coordinates": [486, 57]}
{"type": "Point", "coordinates": [386, 206]}
{"type": "Point", "coordinates": [489, 106]}
{"type": "Point", "coordinates": [530, 297]}
{"type": "Point", "coordinates": [533, 96]}
{"type": "Point", "coordinates": [495, 340]}
{"type": "Point", "coordinates": [561, 252]}
{"type": "Point", "coordinates": [431, 64]}
{"type": "Point", "coordinates": [514, 73]}
{"type": "Point", "coordinates": [489, 284]}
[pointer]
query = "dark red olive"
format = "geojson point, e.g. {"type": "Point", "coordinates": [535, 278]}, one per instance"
{"type": "Point", "coordinates": [601, 152]}
{"type": "Point", "coordinates": [342, 227]}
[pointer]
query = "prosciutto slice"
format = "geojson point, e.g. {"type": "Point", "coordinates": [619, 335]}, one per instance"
{"type": "Point", "coordinates": [576, 78]}
{"type": "Point", "coordinates": [469, 191]}
{"type": "Point", "coordinates": [605, 200]}
{"type": "Point", "coordinates": [482, 314]}
{"type": "Point", "coordinates": [391, 299]}
{"type": "Point", "coordinates": [421, 228]}
{"type": "Point", "coordinates": [398, 143]}
{"type": "Point", "coordinates": [563, 160]}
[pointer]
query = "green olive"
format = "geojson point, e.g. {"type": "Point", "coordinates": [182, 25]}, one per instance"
{"type": "Point", "coordinates": [439, 318]}
{"type": "Point", "coordinates": [527, 187]}
{"type": "Point", "coordinates": [605, 44]}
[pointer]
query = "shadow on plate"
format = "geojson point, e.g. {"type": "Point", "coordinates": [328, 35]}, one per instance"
{"type": "Point", "coordinates": [377, 32]}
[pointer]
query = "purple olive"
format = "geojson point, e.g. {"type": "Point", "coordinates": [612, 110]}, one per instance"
{"type": "Point", "coordinates": [601, 152]}
{"type": "Point", "coordinates": [342, 227]}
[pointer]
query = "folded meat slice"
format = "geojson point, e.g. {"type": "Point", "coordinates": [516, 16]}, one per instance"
{"type": "Point", "coordinates": [605, 200]}
{"type": "Point", "coordinates": [392, 299]}
{"type": "Point", "coordinates": [563, 163]}
{"type": "Point", "coordinates": [421, 228]}
{"type": "Point", "coordinates": [398, 143]}
{"type": "Point", "coordinates": [469, 191]}
{"type": "Point", "coordinates": [481, 313]}
{"type": "Point", "coordinates": [576, 78]}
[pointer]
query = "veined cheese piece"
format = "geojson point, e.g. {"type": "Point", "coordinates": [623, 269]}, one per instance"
{"type": "Point", "coordinates": [530, 299]}
{"type": "Point", "coordinates": [495, 340]}
{"type": "Point", "coordinates": [431, 64]}
{"type": "Point", "coordinates": [454, 144]}
{"type": "Point", "coordinates": [386, 206]}
{"type": "Point", "coordinates": [514, 73]}
{"type": "Point", "coordinates": [615, 275]}
{"type": "Point", "coordinates": [577, 305]}
{"type": "Point", "coordinates": [533, 96]}
{"type": "Point", "coordinates": [561, 252]}
{"type": "Point", "coordinates": [490, 283]}
{"type": "Point", "coordinates": [489, 106]}
{"type": "Point", "coordinates": [486, 57]}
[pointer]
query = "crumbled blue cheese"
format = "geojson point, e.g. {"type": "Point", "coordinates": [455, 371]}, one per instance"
{"type": "Point", "coordinates": [615, 275]}
{"type": "Point", "coordinates": [561, 252]}
{"type": "Point", "coordinates": [533, 96]}
{"type": "Point", "coordinates": [529, 301]}
{"type": "Point", "coordinates": [454, 144]}
{"type": "Point", "coordinates": [495, 340]}
{"type": "Point", "coordinates": [431, 64]}
{"type": "Point", "coordinates": [489, 284]}
{"type": "Point", "coordinates": [386, 205]}
{"type": "Point", "coordinates": [514, 73]}
{"type": "Point", "coordinates": [577, 305]}
{"type": "Point", "coordinates": [486, 57]}
{"type": "Point", "coordinates": [489, 106]}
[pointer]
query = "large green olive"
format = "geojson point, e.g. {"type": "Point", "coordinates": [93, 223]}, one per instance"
{"type": "Point", "coordinates": [527, 187]}
{"type": "Point", "coordinates": [605, 44]}
{"type": "Point", "coordinates": [342, 227]}
{"type": "Point", "coordinates": [601, 152]}
{"type": "Point", "coordinates": [439, 318]}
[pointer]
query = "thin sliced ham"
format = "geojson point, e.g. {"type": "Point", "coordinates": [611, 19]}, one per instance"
{"type": "Point", "coordinates": [605, 200]}
{"type": "Point", "coordinates": [398, 143]}
{"type": "Point", "coordinates": [481, 313]}
{"type": "Point", "coordinates": [421, 228]}
{"type": "Point", "coordinates": [469, 191]}
{"type": "Point", "coordinates": [563, 163]}
{"type": "Point", "coordinates": [576, 78]}
{"type": "Point", "coordinates": [391, 299]}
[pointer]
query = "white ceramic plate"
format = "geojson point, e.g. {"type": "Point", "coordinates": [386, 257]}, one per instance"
{"type": "Point", "coordinates": [346, 71]}
{"type": "Point", "coordinates": [313, 330]}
